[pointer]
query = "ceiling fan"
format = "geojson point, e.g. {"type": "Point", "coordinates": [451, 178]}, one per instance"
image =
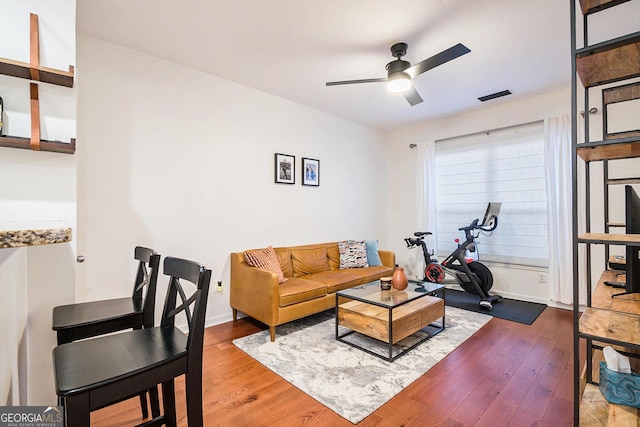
{"type": "Point", "coordinates": [400, 73]}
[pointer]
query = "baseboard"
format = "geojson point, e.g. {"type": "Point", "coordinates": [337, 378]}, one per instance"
{"type": "Point", "coordinates": [216, 320]}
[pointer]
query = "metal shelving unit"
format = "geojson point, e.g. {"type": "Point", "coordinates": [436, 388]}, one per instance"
{"type": "Point", "coordinates": [603, 322]}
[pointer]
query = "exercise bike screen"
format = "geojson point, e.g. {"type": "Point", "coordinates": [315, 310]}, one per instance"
{"type": "Point", "coordinates": [493, 209]}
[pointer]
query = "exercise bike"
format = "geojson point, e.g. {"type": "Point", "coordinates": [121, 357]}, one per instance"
{"type": "Point", "coordinates": [473, 276]}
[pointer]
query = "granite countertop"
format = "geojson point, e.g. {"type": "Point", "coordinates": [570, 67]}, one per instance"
{"type": "Point", "coordinates": [15, 234]}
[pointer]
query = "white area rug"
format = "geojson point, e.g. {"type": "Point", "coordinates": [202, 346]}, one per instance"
{"type": "Point", "coordinates": [350, 381]}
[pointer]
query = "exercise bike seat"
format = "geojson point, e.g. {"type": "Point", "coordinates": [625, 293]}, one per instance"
{"type": "Point", "coordinates": [422, 233]}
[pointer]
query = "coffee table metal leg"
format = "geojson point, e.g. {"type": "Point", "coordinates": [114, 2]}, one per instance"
{"type": "Point", "coordinates": [390, 335]}
{"type": "Point", "coordinates": [336, 315]}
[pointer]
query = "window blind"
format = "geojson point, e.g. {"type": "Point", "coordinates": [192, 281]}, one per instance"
{"type": "Point", "coordinates": [499, 166]}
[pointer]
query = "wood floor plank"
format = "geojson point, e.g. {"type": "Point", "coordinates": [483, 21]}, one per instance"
{"type": "Point", "coordinates": [507, 374]}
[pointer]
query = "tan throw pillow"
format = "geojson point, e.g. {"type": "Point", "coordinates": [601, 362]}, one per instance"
{"type": "Point", "coordinates": [353, 254]}
{"type": "Point", "coordinates": [265, 258]}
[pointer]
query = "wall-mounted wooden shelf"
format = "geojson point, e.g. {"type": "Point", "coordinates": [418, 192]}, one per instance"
{"type": "Point", "coordinates": [23, 70]}
{"type": "Point", "coordinates": [35, 72]}
{"type": "Point", "coordinates": [52, 146]}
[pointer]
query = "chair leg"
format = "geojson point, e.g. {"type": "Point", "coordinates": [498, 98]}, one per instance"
{"type": "Point", "coordinates": [169, 403]}
{"type": "Point", "coordinates": [76, 410]}
{"type": "Point", "coordinates": [143, 405]}
{"type": "Point", "coordinates": [235, 314]}
{"type": "Point", "coordinates": [155, 401]}
{"type": "Point", "coordinates": [193, 389]}
{"type": "Point", "coordinates": [272, 333]}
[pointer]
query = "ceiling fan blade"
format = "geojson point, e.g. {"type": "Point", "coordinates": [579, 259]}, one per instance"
{"type": "Point", "coordinates": [348, 82]}
{"type": "Point", "coordinates": [412, 96]}
{"type": "Point", "coordinates": [445, 56]}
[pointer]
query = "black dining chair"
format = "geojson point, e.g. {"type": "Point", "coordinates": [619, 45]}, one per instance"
{"type": "Point", "coordinates": [105, 370]}
{"type": "Point", "coordinates": [74, 322]}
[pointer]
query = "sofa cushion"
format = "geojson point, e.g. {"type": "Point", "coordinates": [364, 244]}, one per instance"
{"type": "Point", "coordinates": [265, 258]}
{"type": "Point", "coordinates": [284, 257]}
{"type": "Point", "coordinates": [337, 280]}
{"type": "Point", "coordinates": [336, 277]}
{"type": "Point", "coordinates": [298, 290]}
{"type": "Point", "coordinates": [333, 253]}
{"type": "Point", "coordinates": [309, 261]}
{"type": "Point", "coordinates": [353, 254]}
{"type": "Point", "coordinates": [373, 257]}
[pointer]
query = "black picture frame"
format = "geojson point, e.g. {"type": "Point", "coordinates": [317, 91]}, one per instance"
{"type": "Point", "coordinates": [310, 172]}
{"type": "Point", "coordinates": [284, 168]}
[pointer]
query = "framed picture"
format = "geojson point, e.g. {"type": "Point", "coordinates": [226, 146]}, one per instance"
{"type": "Point", "coordinates": [310, 172]}
{"type": "Point", "coordinates": [285, 168]}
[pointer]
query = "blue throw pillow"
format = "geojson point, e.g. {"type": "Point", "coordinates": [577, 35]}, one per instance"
{"type": "Point", "coordinates": [373, 257]}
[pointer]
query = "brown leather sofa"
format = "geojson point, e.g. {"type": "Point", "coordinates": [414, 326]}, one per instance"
{"type": "Point", "coordinates": [313, 276]}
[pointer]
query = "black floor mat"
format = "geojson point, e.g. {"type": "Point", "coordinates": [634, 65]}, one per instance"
{"type": "Point", "coordinates": [508, 309]}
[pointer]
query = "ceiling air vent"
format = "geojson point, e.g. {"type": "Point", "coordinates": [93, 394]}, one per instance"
{"type": "Point", "coordinates": [495, 95]}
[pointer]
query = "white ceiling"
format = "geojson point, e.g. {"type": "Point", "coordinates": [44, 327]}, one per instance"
{"type": "Point", "coordinates": [290, 48]}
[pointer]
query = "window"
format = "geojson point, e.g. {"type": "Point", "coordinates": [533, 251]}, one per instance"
{"type": "Point", "coordinates": [500, 166]}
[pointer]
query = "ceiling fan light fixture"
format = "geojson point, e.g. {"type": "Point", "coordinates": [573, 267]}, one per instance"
{"type": "Point", "coordinates": [399, 82]}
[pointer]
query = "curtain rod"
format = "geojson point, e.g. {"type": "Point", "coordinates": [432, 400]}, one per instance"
{"type": "Point", "coordinates": [487, 132]}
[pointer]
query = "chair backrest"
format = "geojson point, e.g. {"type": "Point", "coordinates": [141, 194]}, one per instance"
{"type": "Point", "coordinates": [180, 269]}
{"type": "Point", "coordinates": [146, 277]}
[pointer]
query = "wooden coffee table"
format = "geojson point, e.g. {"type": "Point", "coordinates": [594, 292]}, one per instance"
{"type": "Point", "coordinates": [390, 316]}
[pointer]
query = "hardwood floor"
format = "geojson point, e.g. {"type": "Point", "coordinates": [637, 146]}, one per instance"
{"type": "Point", "coordinates": [507, 374]}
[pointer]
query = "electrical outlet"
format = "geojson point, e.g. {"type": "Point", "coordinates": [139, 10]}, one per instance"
{"type": "Point", "coordinates": [219, 286]}
{"type": "Point", "coordinates": [542, 278]}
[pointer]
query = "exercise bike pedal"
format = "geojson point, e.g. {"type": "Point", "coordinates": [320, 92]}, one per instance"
{"type": "Point", "coordinates": [486, 304]}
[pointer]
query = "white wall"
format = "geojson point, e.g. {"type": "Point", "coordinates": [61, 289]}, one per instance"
{"type": "Point", "coordinates": [183, 162]}
{"type": "Point", "coordinates": [35, 186]}
{"type": "Point", "coordinates": [521, 283]}
{"type": "Point", "coordinates": [13, 285]}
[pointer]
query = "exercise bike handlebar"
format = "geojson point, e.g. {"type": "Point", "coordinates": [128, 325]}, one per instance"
{"type": "Point", "coordinates": [474, 226]}
{"type": "Point", "coordinates": [420, 235]}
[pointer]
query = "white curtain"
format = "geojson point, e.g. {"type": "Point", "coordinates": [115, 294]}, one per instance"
{"type": "Point", "coordinates": [558, 156]}
{"type": "Point", "coordinates": [426, 187]}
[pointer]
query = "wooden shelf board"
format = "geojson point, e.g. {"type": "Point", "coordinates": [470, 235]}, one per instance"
{"type": "Point", "coordinates": [613, 259]}
{"type": "Point", "coordinates": [609, 61]}
{"type": "Point", "coordinates": [594, 408]}
{"type": "Point", "coordinates": [593, 6]}
{"type": "Point", "coordinates": [612, 325]}
{"type": "Point", "coordinates": [623, 181]}
{"type": "Point", "coordinates": [52, 146]}
{"type": "Point", "coordinates": [612, 239]}
{"type": "Point", "coordinates": [596, 411]}
{"type": "Point", "coordinates": [22, 70]}
{"type": "Point", "coordinates": [610, 151]}
{"type": "Point", "coordinates": [601, 296]}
